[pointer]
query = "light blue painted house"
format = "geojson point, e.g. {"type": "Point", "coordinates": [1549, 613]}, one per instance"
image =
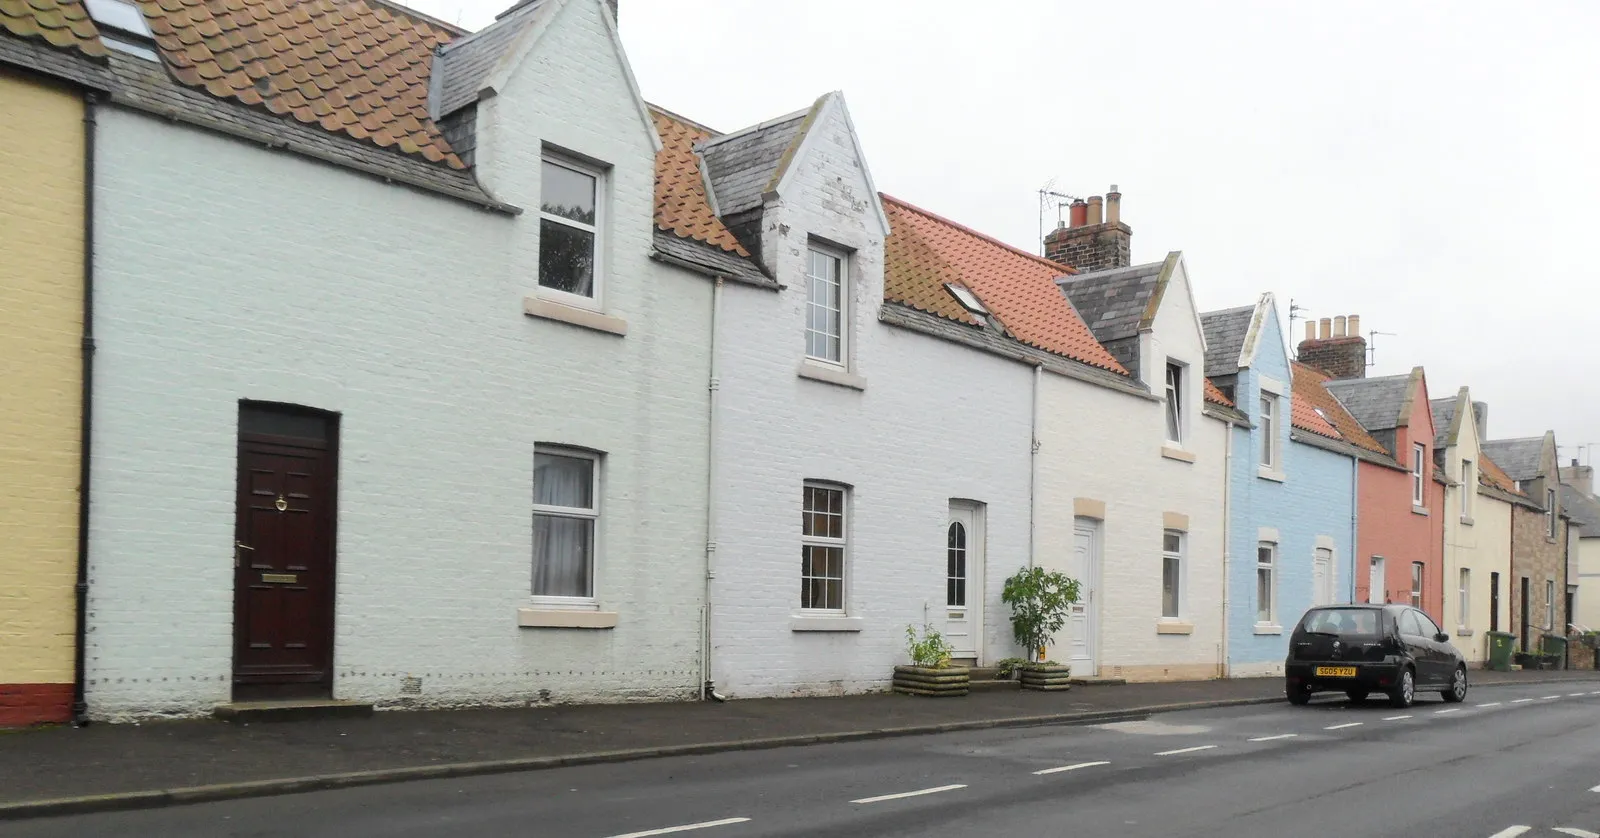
{"type": "Point", "coordinates": [1291, 491]}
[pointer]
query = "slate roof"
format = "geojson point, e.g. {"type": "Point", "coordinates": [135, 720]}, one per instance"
{"type": "Point", "coordinates": [1521, 458]}
{"type": "Point", "coordinates": [1115, 303]}
{"type": "Point", "coordinates": [747, 163]}
{"type": "Point", "coordinates": [463, 66]}
{"type": "Point", "coordinates": [925, 251]}
{"type": "Point", "coordinates": [63, 24]}
{"type": "Point", "coordinates": [1375, 402]}
{"type": "Point", "coordinates": [1583, 509]}
{"type": "Point", "coordinates": [1226, 331]}
{"type": "Point", "coordinates": [1444, 414]}
{"type": "Point", "coordinates": [686, 228]}
{"type": "Point", "coordinates": [1311, 396]}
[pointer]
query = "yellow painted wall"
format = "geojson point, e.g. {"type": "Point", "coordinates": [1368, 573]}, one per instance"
{"type": "Point", "coordinates": [41, 301]}
{"type": "Point", "coordinates": [1479, 541]}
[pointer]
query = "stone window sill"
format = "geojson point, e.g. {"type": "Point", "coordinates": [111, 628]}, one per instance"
{"type": "Point", "coordinates": [831, 375]}
{"type": "Point", "coordinates": [535, 306]}
{"type": "Point", "coordinates": [565, 618]}
{"type": "Point", "coordinates": [1463, 632]}
{"type": "Point", "coordinates": [1262, 628]}
{"type": "Point", "coordinates": [1173, 627]}
{"type": "Point", "coordinates": [806, 623]}
{"type": "Point", "coordinates": [1419, 510]}
{"type": "Point", "coordinates": [1466, 520]}
{"type": "Point", "coordinates": [1178, 454]}
{"type": "Point", "coordinates": [1269, 474]}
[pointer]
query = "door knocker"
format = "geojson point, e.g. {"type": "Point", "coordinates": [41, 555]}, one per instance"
{"type": "Point", "coordinates": [281, 503]}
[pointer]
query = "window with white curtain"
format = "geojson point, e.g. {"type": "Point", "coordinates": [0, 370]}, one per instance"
{"type": "Point", "coordinates": [566, 499]}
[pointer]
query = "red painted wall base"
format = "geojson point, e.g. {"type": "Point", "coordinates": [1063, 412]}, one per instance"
{"type": "Point", "coordinates": [31, 704]}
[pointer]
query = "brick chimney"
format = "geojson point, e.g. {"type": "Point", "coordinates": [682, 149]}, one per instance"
{"type": "Point", "coordinates": [1335, 346]}
{"type": "Point", "coordinates": [1090, 242]}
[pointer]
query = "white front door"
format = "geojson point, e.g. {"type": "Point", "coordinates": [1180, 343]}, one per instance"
{"type": "Point", "coordinates": [1376, 583]}
{"type": "Point", "coordinates": [1322, 577]}
{"type": "Point", "coordinates": [1082, 620]}
{"type": "Point", "coordinates": [963, 584]}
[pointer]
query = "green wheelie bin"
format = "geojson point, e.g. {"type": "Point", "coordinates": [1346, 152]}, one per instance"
{"type": "Point", "coordinates": [1501, 645]}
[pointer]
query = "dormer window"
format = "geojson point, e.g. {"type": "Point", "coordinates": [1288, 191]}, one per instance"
{"type": "Point", "coordinates": [826, 321]}
{"type": "Point", "coordinates": [569, 230]}
{"type": "Point", "coordinates": [1268, 420]}
{"type": "Point", "coordinates": [1419, 454]}
{"type": "Point", "coordinates": [1175, 403]}
{"type": "Point", "coordinates": [1550, 511]}
{"type": "Point", "coordinates": [123, 27]}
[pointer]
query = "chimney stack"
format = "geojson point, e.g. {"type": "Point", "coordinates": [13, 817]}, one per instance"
{"type": "Point", "coordinates": [1096, 240]}
{"type": "Point", "coordinates": [1335, 346]}
{"type": "Point", "coordinates": [1580, 478]}
{"type": "Point", "coordinates": [1480, 414]}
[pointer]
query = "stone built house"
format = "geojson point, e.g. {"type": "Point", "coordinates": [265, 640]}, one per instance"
{"type": "Point", "coordinates": [1291, 519]}
{"type": "Point", "coordinates": [1400, 498]}
{"type": "Point", "coordinates": [1539, 583]}
{"type": "Point", "coordinates": [52, 74]}
{"type": "Point", "coordinates": [1478, 502]}
{"type": "Point", "coordinates": [341, 416]}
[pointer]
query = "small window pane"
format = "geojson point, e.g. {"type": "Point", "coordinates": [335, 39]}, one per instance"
{"type": "Point", "coordinates": [563, 549]}
{"type": "Point", "coordinates": [566, 258]}
{"type": "Point", "coordinates": [1171, 542]}
{"type": "Point", "coordinates": [563, 481]}
{"type": "Point", "coordinates": [567, 193]}
{"type": "Point", "coordinates": [821, 577]}
{"type": "Point", "coordinates": [1170, 570]}
{"type": "Point", "coordinates": [956, 565]}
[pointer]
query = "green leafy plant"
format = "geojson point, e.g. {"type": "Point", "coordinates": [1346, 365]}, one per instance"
{"type": "Point", "coordinates": [1039, 601]}
{"type": "Point", "coordinates": [930, 650]}
{"type": "Point", "coordinates": [1008, 667]}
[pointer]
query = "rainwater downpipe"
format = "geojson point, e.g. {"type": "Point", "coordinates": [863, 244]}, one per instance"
{"type": "Point", "coordinates": [1355, 504]}
{"type": "Point", "coordinates": [714, 386]}
{"type": "Point", "coordinates": [1227, 545]}
{"type": "Point", "coordinates": [80, 706]}
{"type": "Point", "coordinates": [1033, 470]}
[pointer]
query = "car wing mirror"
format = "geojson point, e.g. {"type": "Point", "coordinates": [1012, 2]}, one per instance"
{"type": "Point", "coordinates": [1442, 637]}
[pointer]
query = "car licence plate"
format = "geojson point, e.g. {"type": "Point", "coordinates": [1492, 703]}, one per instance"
{"type": "Point", "coordinates": [1336, 672]}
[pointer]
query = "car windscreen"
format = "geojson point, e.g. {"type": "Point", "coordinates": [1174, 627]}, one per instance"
{"type": "Point", "coordinates": [1343, 622]}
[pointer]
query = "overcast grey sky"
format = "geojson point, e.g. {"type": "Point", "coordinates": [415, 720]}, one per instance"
{"type": "Point", "coordinates": [1429, 166]}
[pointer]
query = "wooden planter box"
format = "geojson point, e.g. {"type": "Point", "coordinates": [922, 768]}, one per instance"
{"type": "Point", "coordinates": [930, 681]}
{"type": "Point", "coordinates": [1048, 677]}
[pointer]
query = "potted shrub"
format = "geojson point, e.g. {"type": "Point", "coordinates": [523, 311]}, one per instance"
{"type": "Point", "coordinates": [1039, 601]}
{"type": "Point", "coordinates": [930, 672]}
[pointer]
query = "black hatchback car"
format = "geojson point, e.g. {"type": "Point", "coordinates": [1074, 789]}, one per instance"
{"type": "Point", "coordinates": [1362, 649]}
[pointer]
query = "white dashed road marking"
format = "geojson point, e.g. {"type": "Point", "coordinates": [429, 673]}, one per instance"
{"type": "Point", "coordinates": [1548, 697]}
{"type": "Point", "coordinates": [1512, 832]}
{"type": "Point", "coordinates": [685, 828]}
{"type": "Point", "coordinates": [1576, 695]}
{"type": "Point", "coordinates": [918, 793]}
{"type": "Point", "coordinates": [1490, 704]}
{"type": "Point", "coordinates": [1520, 700]}
{"type": "Point", "coordinates": [1343, 726]}
{"type": "Point", "coordinates": [1270, 738]}
{"type": "Point", "coordinates": [1577, 833]}
{"type": "Point", "coordinates": [1596, 692]}
{"type": "Point", "coordinates": [1394, 718]}
{"type": "Point", "coordinates": [1447, 710]}
{"type": "Point", "coordinates": [1072, 767]}
{"type": "Point", "coordinates": [1596, 789]}
{"type": "Point", "coordinates": [1185, 750]}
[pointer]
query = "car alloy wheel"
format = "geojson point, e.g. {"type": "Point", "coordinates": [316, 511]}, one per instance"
{"type": "Point", "coordinates": [1406, 691]}
{"type": "Point", "coordinates": [1458, 687]}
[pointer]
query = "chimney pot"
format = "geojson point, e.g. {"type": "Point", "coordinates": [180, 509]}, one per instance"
{"type": "Point", "coordinates": [1079, 213]}
{"type": "Point", "coordinates": [1325, 325]}
{"type": "Point", "coordinates": [1338, 326]}
{"type": "Point", "coordinates": [1311, 330]}
{"type": "Point", "coordinates": [1095, 207]}
{"type": "Point", "coordinates": [1353, 327]}
{"type": "Point", "coordinates": [1113, 206]}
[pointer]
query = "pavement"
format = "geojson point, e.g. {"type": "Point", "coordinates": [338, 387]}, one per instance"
{"type": "Point", "coordinates": [66, 771]}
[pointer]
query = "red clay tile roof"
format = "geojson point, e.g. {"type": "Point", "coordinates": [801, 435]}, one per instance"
{"type": "Point", "coordinates": [1490, 474]}
{"type": "Point", "coordinates": [1310, 395]}
{"type": "Point", "coordinates": [925, 251]}
{"type": "Point", "coordinates": [352, 66]}
{"type": "Point", "coordinates": [60, 23]}
{"type": "Point", "coordinates": [1215, 395]}
{"type": "Point", "coordinates": [681, 204]}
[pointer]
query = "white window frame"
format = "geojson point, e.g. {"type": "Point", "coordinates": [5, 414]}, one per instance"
{"type": "Point", "coordinates": [1549, 604]}
{"type": "Point", "coordinates": [1419, 583]}
{"type": "Point", "coordinates": [1550, 512]}
{"type": "Point", "coordinates": [1271, 450]}
{"type": "Point", "coordinates": [1376, 596]}
{"type": "Point", "coordinates": [1270, 568]}
{"type": "Point", "coordinates": [842, 543]}
{"type": "Point", "coordinates": [591, 514]}
{"type": "Point", "coordinates": [1469, 487]}
{"type": "Point", "coordinates": [1180, 576]}
{"type": "Point", "coordinates": [1464, 591]}
{"type": "Point", "coordinates": [842, 259]}
{"type": "Point", "coordinates": [1174, 387]}
{"type": "Point", "coordinates": [1419, 453]}
{"type": "Point", "coordinates": [595, 302]}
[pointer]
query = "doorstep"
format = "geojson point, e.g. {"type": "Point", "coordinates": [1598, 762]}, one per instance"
{"type": "Point", "coordinates": [1097, 681]}
{"type": "Point", "coordinates": [291, 710]}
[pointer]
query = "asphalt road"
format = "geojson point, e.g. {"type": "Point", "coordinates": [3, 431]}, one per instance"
{"type": "Point", "coordinates": [1511, 761]}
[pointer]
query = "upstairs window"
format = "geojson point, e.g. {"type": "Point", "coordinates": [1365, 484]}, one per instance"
{"type": "Point", "coordinates": [1175, 403]}
{"type": "Point", "coordinates": [1269, 430]}
{"type": "Point", "coordinates": [1419, 454]}
{"type": "Point", "coordinates": [569, 228]}
{"type": "Point", "coordinates": [825, 305]}
{"type": "Point", "coordinates": [1550, 512]}
{"type": "Point", "coordinates": [1469, 487]}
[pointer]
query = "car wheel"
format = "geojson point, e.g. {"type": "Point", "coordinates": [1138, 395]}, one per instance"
{"type": "Point", "coordinates": [1458, 686]}
{"type": "Point", "coordinates": [1299, 694]}
{"type": "Point", "coordinates": [1405, 691]}
{"type": "Point", "coordinates": [1356, 696]}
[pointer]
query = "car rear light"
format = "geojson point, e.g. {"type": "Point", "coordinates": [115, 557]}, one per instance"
{"type": "Point", "coordinates": [1383, 682]}
{"type": "Point", "coordinates": [1294, 679]}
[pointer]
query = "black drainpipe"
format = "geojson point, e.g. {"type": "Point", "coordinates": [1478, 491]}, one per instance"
{"type": "Point", "coordinates": [80, 707]}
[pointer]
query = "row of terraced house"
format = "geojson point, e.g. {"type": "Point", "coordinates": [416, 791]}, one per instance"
{"type": "Point", "coordinates": [349, 354]}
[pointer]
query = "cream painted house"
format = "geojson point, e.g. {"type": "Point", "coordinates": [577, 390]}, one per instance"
{"type": "Point", "coordinates": [1477, 529]}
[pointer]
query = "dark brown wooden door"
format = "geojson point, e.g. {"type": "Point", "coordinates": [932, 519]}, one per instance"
{"type": "Point", "coordinates": [284, 562]}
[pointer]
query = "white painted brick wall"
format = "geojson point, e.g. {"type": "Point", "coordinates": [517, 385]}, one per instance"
{"type": "Point", "coordinates": [936, 421]}
{"type": "Point", "coordinates": [229, 272]}
{"type": "Point", "coordinates": [1100, 444]}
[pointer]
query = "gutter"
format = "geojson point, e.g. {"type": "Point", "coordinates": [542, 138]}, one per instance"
{"type": "Point", "coordinates": [80, 707]}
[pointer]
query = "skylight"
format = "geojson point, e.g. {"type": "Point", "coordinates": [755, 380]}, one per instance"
{"type": "Point", "coordinates": [123, 27]}
{"type": "Point", "coordinates": [967, 299]}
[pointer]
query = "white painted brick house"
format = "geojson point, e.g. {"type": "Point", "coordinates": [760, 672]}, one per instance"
{"type": "Point", "coordinates": [388, 412]}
